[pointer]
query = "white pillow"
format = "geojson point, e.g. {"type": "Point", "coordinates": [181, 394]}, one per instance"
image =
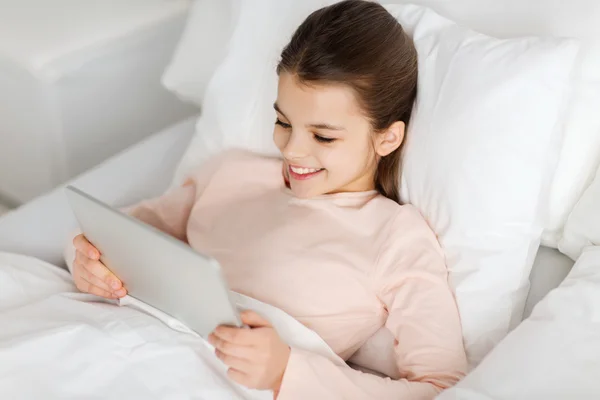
{"type": "Point", "coordinates": [580, 153]}
{"type": "Point", "coordinates": [480, 154]}
{"type": "Point", "coordinates": [583, 226]}
{"type": "Point", "coordinates": [238, 104]}
{"type": "Point", "coordinates": [201, 49]}
{"type": "Point", "coordinates": [553, 354]}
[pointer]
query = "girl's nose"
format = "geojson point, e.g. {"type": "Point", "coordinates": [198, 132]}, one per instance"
{"type": "Point", "coordinates": [296, 147]}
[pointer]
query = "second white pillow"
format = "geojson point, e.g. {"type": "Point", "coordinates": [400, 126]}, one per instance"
{"type": "Point", "coordinates": [480, 155]}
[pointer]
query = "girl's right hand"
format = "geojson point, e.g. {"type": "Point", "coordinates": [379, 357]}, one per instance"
{"type": "Point", "coordinates": [90, 275]}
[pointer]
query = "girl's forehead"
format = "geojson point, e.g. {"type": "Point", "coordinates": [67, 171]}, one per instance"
{"type": "Point", "coordinates": [331, 99]}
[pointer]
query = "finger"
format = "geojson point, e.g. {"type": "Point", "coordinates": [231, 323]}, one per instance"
{"type": "Point", "coordinates": [241, 378]}
{"type": "Point", "coordinates": [236, 335]}
{"type": "Point", "coordinates": [89, 287]}
{"type": "Point", "coordinates": [99, 270]}
{"type": "Point", "coordinates": [83, 272]}
{"type": "Point", "coordinates": [232, 349]}
{"type": "Point", "coordinates": [82, 244]}
{"type": "Point", "coordinates": [254, 319]}
{"type": "Point", "coordinates": [240, 364]}
{"type": "Point", "coordinates": [93, 279]}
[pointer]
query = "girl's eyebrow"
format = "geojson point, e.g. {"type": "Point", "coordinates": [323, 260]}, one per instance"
{"type": "Point", "coordinates": [315, 126]}
{"type": "Point", "coordinates": [327, 126]}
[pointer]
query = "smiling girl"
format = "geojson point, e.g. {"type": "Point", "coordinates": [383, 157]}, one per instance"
{"type": "Point", "coordinates": [320, 232]}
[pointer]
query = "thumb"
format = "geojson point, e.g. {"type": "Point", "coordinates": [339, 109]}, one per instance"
{"type": "Point", "coordinates": [253, 319]}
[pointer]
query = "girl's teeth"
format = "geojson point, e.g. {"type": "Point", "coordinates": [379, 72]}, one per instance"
{"type": "Point", "coordinates": [303, 171]}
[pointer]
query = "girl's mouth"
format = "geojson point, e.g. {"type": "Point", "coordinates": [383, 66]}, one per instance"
{"type": "Point", "coordinates": [301, 173]}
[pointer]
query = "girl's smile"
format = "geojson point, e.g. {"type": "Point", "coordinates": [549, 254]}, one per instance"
{"type": "Point", "coordinates": [303, 173]}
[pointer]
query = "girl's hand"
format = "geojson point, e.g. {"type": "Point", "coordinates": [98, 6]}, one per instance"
{"type": "Point", "coordinates": [90, 275]}
{"type": "Point", "coordinates": [256, 357]}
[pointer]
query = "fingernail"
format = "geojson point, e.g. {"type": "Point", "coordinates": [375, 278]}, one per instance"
{"type": "Point", "coordinates": [92, 254]}
{"type": "Point", "coordinates": [120, 292]}
{"type": "Point", "coordinates": [114, 284]}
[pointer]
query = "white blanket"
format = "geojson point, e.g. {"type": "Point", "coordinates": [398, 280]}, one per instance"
{"type": "Point", "coordinates": [56, 343]}
{"type": "Point", "coordinates": [552, 355]}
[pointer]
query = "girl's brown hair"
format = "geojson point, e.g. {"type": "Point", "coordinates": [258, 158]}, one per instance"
{"type": "Point", "coordinates": [359, 44]}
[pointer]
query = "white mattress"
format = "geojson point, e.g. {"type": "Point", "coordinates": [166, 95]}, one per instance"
{"type": "Point", "coordinates": [80, 81]}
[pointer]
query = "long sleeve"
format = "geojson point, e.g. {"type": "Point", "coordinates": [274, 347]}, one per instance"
{"type": "Point", "coordinates": [422, 316]}
{"type": "Point", "coordinates": [169, 212]}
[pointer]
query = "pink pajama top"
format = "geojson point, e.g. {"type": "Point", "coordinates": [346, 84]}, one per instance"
{"type": "Point", "coordinates": [344, 265]}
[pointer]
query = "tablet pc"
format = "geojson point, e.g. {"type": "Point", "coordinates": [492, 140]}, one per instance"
{"type": "Point", "coordinates": [155, 267]}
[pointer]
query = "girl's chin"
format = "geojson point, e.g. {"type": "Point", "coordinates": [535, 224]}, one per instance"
{"type": "Point", "coordinates": [303, 193]}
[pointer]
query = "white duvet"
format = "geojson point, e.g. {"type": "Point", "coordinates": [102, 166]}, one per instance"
{"type": "Point", "coordinates": [56, 343]}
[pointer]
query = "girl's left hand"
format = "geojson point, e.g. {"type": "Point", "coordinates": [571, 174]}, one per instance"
{"type": "Point", "coordinates": [256, 357]}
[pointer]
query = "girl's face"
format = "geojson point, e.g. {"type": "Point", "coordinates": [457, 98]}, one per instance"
{"type": "Point", "coordinates": [326, 141]}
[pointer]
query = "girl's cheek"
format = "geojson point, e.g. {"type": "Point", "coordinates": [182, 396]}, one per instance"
{"type": "Point", "coordinates": [281, 136]}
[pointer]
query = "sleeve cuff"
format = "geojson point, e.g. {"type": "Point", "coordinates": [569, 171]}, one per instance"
{"type": "Point", "coordinates": [300, 377]}
{"type": "Point", "coordinates": [292, 382]}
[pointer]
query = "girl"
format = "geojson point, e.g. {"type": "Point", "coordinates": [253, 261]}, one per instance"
{"type": "Point", "coordinates": [326, 240]}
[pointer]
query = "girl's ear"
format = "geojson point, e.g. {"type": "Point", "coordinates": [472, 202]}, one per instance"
{"type": "Point", "coordinates": [390, 139]}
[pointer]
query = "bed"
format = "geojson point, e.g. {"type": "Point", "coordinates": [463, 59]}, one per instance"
{"type": "Point", "coordinates": [41, 227]}
{"type": "Point", "coordinates": [551, 351]}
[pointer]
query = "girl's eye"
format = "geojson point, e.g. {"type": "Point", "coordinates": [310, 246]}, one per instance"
{"type": "Point", "coordinates": [282, 124]}
{"type": "Point", "coordinates": [322, 139]}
